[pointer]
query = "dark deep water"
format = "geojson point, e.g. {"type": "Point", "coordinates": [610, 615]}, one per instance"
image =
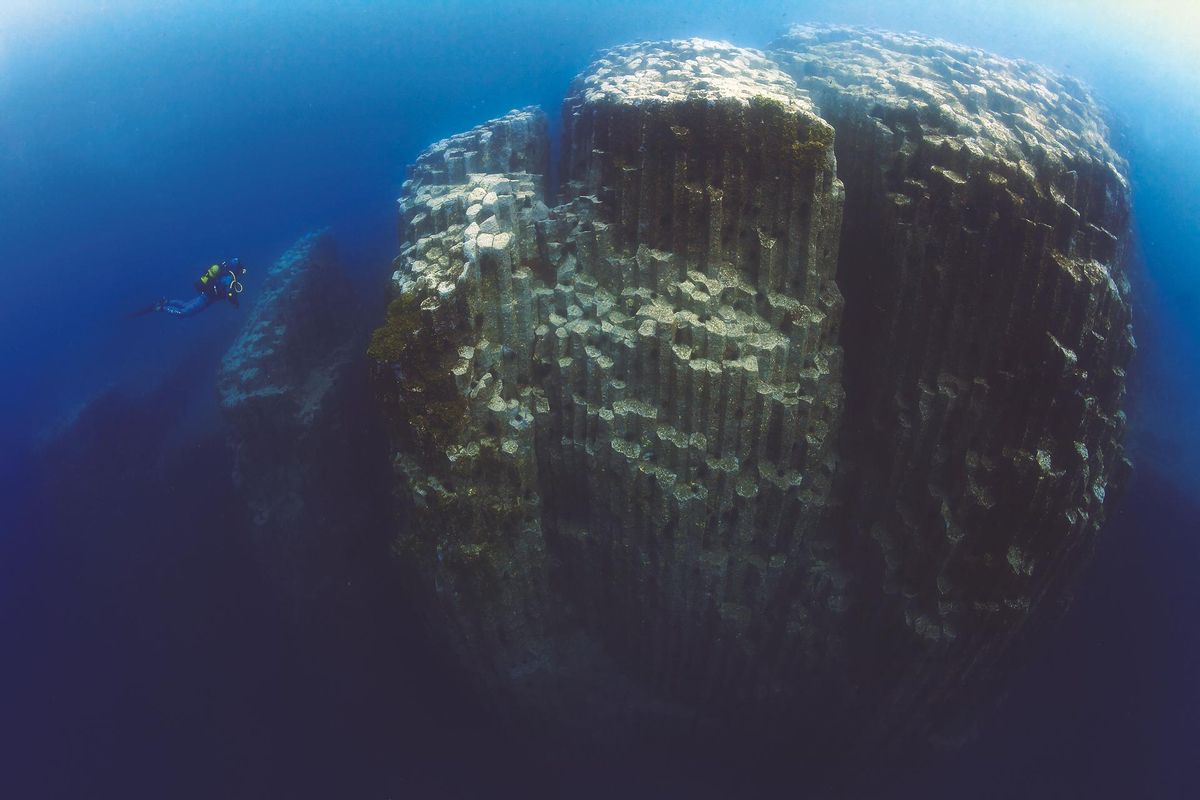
{"type": "Point", "coordinates": [143, 655]}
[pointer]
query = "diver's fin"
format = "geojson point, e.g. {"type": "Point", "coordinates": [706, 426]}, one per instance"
{"type": "Point", "coordinates": [150, 309]}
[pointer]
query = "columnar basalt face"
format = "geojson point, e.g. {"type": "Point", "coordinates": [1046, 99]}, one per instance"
{"type": "Point", "coordinates": [710, 152]}
{"type": "Point", "coordinates": [692, 347]}
{"type": "Point", "coordinates": [987, 331]}
{"type": "Point", "coordinates": [637, 476]}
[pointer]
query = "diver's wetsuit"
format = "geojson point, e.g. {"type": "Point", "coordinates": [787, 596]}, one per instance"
{"type": "Point", "coordinates": [187, 308]}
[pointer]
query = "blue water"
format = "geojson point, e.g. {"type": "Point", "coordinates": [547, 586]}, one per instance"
{"type": "Point", "coordinates": [141, 140]}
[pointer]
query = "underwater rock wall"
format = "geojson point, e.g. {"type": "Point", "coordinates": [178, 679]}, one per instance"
{"type": "Point", "coordinates": [653, 473]}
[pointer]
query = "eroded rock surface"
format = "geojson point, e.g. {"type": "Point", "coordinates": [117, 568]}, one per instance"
{"type": "Point", "coordinates": [654, 474]}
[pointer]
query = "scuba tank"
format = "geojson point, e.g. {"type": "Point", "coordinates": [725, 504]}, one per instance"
{"type": "Point", "coordinates": [209, 281]}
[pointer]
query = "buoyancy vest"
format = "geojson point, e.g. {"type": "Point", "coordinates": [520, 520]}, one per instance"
{"type": "Point", "coordinates": [213, 281]}
{"type": "Point", "coordinates": [209, 280]}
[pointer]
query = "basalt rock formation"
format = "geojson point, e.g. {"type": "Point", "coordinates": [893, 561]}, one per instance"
{"type": "Point", "coordinates": [793, 410]}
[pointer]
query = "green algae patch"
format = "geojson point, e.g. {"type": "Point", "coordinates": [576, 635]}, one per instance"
{"type": "Point", "coordinates": [390, 341]}
{"type": "Point", "coordinates": [415, 355]}
{"type": "Point", "coordinates": [766, 102]}
{"type": "Point", "coordinates": [784, 133]}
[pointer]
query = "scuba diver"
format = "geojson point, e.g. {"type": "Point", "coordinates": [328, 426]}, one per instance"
{"type": "Point", "coordinates": [218, 282]}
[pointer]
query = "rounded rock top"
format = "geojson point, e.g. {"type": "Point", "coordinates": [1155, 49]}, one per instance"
{"type": "Point", "coordinates": [984, 99]}
{"type": "Point", "coordinates": [679, 70]}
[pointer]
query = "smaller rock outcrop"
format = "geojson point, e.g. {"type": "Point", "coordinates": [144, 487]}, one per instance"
{"type": "Point", "coordinates": [286, 388]}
